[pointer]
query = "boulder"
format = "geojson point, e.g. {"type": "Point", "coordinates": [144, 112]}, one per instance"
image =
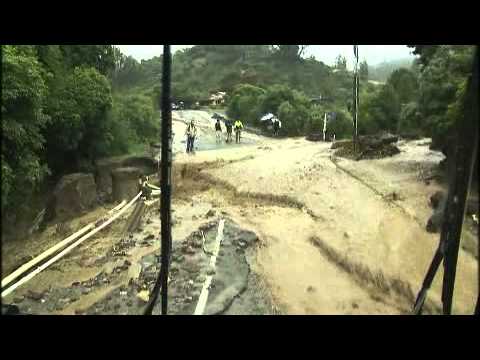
{"type": "Point", "coordinates": [105, 166]}
{"type": "Point", "coordinates": [73, 195]}
{"type": "Point", "coordinates": [125, 183]}
{"type": "Point", "coordinates": [437, 198]}
{"type": "Point", "coordinates": [103, 177]}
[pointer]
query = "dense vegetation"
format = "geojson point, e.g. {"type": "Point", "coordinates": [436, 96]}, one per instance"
{"type": "Point", "coordinates": [63, 106]}
{"type": "Point", "coordinates": [60, 113]}
{"type": "Point", "coordinates": [381, 72]}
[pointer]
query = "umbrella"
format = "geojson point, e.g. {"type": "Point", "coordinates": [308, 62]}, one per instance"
{"type": "Point", "coordinates": [267, 117]}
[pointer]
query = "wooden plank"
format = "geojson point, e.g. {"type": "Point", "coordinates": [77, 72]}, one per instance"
{"type": "Point", "coordinates": [25, 267]}
{"type": "Point", "coordinates": [69, 248]}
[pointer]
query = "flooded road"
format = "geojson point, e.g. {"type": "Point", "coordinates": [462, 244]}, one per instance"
{"type": "Point", "coordinates": [305, 233]}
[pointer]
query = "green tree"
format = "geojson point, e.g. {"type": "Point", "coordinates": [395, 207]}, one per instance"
{"type": "Point", "coordinates": [410, 119]}
{"type": "Point", "coordinates": [101, 57]}
{"type": "Point", "coordinates": [289, 52]}
{"type": "Point", "coordinates": [23, 118]}
{"type": "Point", "coordinates": [363, 70]}
{"type": "Point", "coordinates": [244, 103]}
{"type": "Point", "coordinates": [341, 62]}
{"type": "Point", "coordinates": [379, 110]}
{"type": "Point", "coordinates": [78, 128]}
{"type": "Point", "coordinates": [137, 111]}
{"type": "Point", "coordinates": [405, 84]}
{"type": "Point", "coordinates": [441, 85]}
{"type": "Point", "coordinates": [341, 125]}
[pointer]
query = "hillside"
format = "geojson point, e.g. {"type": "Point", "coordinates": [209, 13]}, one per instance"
{"type": "Point", "coordinates": [203, 69]}
{"type": "Point", "coordinates": [382, 71]}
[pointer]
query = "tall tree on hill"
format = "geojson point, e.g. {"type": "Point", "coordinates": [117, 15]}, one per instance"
{"type": "Point", "coordinates": [289, 52]}
{"type": "Point", "coordinates": [363, 71]}
{"type": "Point", "coordinates": [341, 62]}
{"type": "Point", "coordinates": [101, 57]}
{"type": "Point", "coordinates": [405, 84]}
{"type": "Point", "coordinates": [425, 52]}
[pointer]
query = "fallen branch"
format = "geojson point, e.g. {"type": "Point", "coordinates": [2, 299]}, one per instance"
{"type": "Point", "coordinates": [69, 248]}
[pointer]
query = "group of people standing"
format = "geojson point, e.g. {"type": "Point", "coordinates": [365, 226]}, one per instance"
{"type": "Point", "coordinates": [237, 126]}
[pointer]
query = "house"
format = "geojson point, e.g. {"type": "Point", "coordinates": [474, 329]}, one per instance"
{"type": "Point", "coordinates": [218, 98]}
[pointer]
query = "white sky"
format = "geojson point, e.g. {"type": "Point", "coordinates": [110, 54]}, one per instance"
{"type": "Point", "coordinates": [374, 54]}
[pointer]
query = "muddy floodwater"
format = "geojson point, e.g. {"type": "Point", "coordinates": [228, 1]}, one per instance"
{"type": "Point", "coordinates": [303, 232]}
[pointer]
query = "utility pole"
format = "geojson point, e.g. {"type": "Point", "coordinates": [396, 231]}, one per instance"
{"type": "Point", "coordinates": [161, 285]}
{"type": "Point", "coordinates": [324, 125]}
{"type": "Point", "coordinates": [355, 97]}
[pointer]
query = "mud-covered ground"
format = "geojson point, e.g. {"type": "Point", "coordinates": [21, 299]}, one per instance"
{"type": "Point", "coordinates": [305, 233]}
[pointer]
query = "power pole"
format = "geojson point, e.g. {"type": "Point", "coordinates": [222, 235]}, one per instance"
{"type": "Point", "coordinates": [355, 97]}
{"type": "Point", "coordinates": [324, 125]}
{"type": "Point", "coordinates": [161, 285]}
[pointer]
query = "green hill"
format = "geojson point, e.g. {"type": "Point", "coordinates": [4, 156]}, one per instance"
{"type": "Point", "coordinates": [382, 71]}
{"type": "Point", "coordinates": [203, 69]}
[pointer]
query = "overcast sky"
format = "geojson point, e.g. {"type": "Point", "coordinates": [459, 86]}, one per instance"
{"type": "Point", "coordinates": [374, 54]}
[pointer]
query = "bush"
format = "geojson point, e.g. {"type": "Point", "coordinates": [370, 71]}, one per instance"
{"type": "Point", "coordinates": [23, 119]}
{"type": "Point", "coordinates": [341, 126]}
{"type": "Point", "coordinates": [409, 122]}
{"type": "Point", "coordinates": [244, 103]}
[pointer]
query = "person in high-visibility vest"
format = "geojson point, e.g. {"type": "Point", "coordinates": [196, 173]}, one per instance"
{"type": "Point", "coordinates": [238, 126]}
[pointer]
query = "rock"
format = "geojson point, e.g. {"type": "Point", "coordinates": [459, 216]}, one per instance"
{"type": "Point", "coordinates": [76, 283]}
{"type": "Point", "coordinates": [34, 295]}
{"type": "Point", "coordinates": [149, 237]}
{"type": "Point", "coordinates": [18, 299]}
{"type": "Point", "coordinates": [144, 296]}
{"type": "Point", "coordinates": [310, 289]}
{"type": "Point", "coordinates": [346, 235]}
{"type": "Point", "coordinates": [105, 166]}
{"type": "Point", "coordinates": [123, 293]}
{"type": "Point", "coordinates": [210, 213]}
{"type": "Point", "coordinates": [355, 305]}
{"type": "Point", "coordinates": [86, 291]}
{"type": "Point", "coordinates": [74, 194]}
{"type": "Point", "coordinates": [211, 271]}
{"type": "Point", "coordinates": [125, 183]}
{"type": "Point", "coordinates": [437, 198]}
{"type": "Point", "coordinates": [79, 311]}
